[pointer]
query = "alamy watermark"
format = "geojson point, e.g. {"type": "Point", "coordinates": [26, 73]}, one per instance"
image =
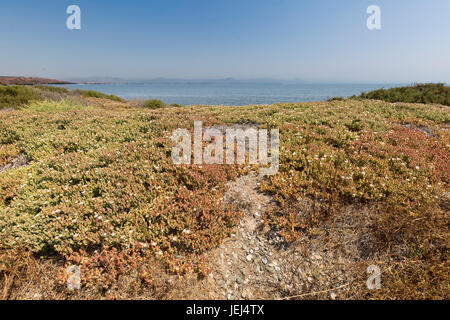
{"type": "Point", "coordinates": [374, 20]}
{"type": "Point", "coordinates": [73, 22]}
{"type": "Point", "coordinates": [239, 144]}
{"type": "Point", "coordinates": [374, 280]}
{"type": "Point", "coordinates": [74, 277]}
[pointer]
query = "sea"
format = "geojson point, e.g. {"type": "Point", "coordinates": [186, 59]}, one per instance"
{"type": "Point", "coordinates": [229, 94]}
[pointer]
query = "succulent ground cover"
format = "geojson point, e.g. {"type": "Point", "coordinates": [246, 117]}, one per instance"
{"type": "Point", "coordinates": [99, 190]}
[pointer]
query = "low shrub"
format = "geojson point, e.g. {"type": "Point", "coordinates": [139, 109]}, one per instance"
{"type": "Point", "coordinates": [96, 94]}
{"type": "Point", "coordinates": [336, 99]}
{"type": "Point", "coordinates": [175, 105]}
{"type": "Point", "coordinates": [153, 104]}
{"type": "Point", "coordinates": [437, 93]}
{"type": "Point", "coordinates": [16, 96]}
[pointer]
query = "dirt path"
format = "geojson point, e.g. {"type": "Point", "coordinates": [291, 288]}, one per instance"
{"type": "Point", "coordinates": [256, 263]}
{"type": "Point", "coordinates": [245, 262]}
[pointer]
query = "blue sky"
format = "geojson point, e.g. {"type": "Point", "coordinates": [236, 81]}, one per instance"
{"type": "Point", "coordinates": [316, 40]}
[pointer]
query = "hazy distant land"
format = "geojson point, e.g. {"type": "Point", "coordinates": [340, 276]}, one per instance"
{"type": "Point", "coordinates": [10, 80]}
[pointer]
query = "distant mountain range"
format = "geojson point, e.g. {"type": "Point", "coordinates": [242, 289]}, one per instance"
{"type": "Point", "coordinates": [9, 80]}
{"type": "Point", "coordinates": [179, 80]}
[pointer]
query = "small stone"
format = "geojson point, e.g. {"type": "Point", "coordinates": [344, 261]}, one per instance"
{"type": "Point", "coordinates": [73, 281]}
{"type": "Point", "coordinates": [249, 258]}
{"type": "Point", "coordinates": [333, 295]}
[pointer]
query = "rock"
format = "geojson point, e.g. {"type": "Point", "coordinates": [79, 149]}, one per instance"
{"type": "Point", "coordinates": [333, 295]}
{"type": "Point", "coordinates": [249, 258]}
{"type": "Point", "coordinates": [273, 264]}
{"type": "Point", "coordinates": [73, 281]}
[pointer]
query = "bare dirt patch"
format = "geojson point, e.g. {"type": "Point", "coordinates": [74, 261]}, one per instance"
{"type": "Point", "coordinates": [19, 161]}
{"type": "Point", "coordinates": [427, 131]}
{"type": "Point", "coordinates": [256, 263]}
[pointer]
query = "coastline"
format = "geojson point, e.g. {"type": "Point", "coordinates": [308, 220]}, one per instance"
{"type": "Point", "coordinates": [11, 80]}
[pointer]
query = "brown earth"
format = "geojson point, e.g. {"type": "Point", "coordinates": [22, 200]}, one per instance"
{"type": "Point", "coordinates": [256, 263]}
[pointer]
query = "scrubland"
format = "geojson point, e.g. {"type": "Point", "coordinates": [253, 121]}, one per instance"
{"type": "Point", "coordinates": [96, 187]}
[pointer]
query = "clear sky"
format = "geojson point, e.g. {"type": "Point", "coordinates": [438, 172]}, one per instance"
{"type": "Point", "coordinates": [316, 40]}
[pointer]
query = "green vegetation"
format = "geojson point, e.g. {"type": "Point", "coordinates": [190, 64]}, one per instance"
{"type": "Point", "coordinates": [153, 104]}
{"type": "Point", "coordinates": [95, 94]}
{"type": "Point", "coordinates": [101, 190]}
{"type": "Point", "coordinates": [60, 90]}
{"type": "Point", "coordinates": [421, 93]}
{"type": "Point", "coordinates": [175, 105]}
{"type": "Point", "coordinates": [16, 96]}
{"type": "Point", "coordinates": [53, 106]}
{"type": "Point", "coordinates": [336, 99]}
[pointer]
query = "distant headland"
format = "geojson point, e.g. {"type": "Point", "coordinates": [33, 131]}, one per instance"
{"type": "Point", "coordinates": [10, 80]}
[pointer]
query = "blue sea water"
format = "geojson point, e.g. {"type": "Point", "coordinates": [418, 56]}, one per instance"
{"type": "Point", "coordinates": [229, 94]}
